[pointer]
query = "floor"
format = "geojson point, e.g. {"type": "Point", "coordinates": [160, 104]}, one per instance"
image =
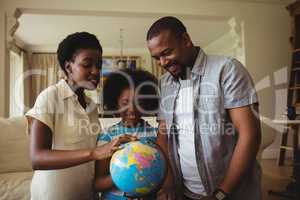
{"type": "Point", "coordinates": [275, 178]}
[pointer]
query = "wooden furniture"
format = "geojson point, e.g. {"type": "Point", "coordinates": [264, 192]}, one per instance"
{"type": "Point", "coordinates": [292, 191]}
{"type": "Point", "coordinates": [294, 86]}
{"type": "Point", "coordinates": [293, 100]}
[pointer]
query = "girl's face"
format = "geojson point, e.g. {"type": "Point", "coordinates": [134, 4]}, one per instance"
{"type": "Point", "coordinates": [84, 69]}
{"type": "Point", "coordinates": [128, 111]}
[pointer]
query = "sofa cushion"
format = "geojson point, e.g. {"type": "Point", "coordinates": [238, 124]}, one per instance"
{"type": "Point", "coordinates": [15, 186]}
{"type": "Point", "coordinates": [14, 145]}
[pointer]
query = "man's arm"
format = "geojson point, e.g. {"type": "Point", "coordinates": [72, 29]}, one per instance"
{"type": "Point", "coordinates": [167, 190]}
{"type": "Point", "coordinates": [249, 138]}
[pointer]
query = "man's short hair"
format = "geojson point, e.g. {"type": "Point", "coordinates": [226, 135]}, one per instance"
{"type": "Point", "coordinates": [166, 23]}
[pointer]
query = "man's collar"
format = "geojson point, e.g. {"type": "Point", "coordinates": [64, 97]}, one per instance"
{"type": "Point", "coordinates": [199, 64]}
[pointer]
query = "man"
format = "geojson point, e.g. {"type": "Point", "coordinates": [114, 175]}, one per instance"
{"type": "Point", "coordinates": [207, 106]}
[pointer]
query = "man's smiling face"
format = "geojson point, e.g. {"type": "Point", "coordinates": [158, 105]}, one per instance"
{"type": "Point", "coordinates": [170, 51]}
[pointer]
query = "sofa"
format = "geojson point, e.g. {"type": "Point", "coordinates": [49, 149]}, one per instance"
{"type": "Point", "coordinates": [15, 165]}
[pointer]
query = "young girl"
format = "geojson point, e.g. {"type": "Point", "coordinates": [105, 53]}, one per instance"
{"type": "Point", "coordinates": [123, 93]}
{"type": "Point", "coordinates": [64, 123]}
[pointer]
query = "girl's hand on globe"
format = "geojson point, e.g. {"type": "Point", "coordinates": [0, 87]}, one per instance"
{"type": "Point", "coordinates": [107, 150]}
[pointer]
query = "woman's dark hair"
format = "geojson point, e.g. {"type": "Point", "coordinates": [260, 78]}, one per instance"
{"type": "Point", "coordinates": [143, 82]}
{"type": "Point", "coordinates": [73, 42]}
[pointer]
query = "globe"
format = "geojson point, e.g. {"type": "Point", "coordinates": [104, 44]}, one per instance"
{"type": "Point", "coordinates": [138, 169]}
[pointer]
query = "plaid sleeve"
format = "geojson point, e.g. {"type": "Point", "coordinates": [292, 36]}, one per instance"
{"type": "Point", "coordinates": [103, 138]}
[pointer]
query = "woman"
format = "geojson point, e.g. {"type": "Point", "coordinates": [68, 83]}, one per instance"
{"type": "Point", "coordinates": [64, 125]}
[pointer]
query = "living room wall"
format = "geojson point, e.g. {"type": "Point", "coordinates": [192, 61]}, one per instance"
{"type": "Point", "coordinates": [266, 26]}
{"type": "Point", "coordinates": [2, 64]}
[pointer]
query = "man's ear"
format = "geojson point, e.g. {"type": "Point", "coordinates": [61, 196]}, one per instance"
{"type": "Point", "coordinates": [186, 39]}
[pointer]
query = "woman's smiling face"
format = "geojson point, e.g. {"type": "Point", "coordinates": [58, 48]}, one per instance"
{"type": "Point", "coordinates": [84, 69]}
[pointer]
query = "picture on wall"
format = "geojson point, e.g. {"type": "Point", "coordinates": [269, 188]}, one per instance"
{"type": "Point", "coordinates": [108, 66]}
{"type": "Point", "coordinates": [113, 63]}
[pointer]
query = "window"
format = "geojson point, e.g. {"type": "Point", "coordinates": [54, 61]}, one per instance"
{"type": "Point", "coordinates": [16, 90]}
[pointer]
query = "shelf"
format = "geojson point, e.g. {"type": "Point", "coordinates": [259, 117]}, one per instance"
{"type": "Point", "coordinates": [287, 148]}
{"type": "Point", "coordinates": [296, 50]}
{"type": "Point", "coordinates": [296, 69]}
{"type": "Point", "coordinates": [295, 88]}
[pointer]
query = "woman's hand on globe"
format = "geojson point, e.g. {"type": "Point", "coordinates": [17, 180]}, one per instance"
{"type": "Point", "coordinates": [107, 150]}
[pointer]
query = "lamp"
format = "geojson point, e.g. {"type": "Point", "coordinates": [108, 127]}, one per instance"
{"type": "Point", "coordinates": [121, 63]}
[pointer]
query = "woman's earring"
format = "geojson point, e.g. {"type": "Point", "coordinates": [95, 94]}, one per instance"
{"type": "Point", "coordinates": [68, 68]}
{"type": "Point", "coordinates": [71, 82]}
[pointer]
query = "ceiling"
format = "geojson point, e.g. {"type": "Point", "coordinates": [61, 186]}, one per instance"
{"type": "Point", "coordinates": [43, 32]}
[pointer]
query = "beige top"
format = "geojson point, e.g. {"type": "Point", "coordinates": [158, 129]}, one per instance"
{"type": "Point", "coordinates": [73, 127]}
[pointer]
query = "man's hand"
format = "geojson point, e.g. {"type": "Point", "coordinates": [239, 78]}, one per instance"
{"type": "Point", "coordinates": [167, 191]}
{"type": "Point", "coordinates": [166, 195]}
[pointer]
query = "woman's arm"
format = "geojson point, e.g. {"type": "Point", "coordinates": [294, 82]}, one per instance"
{"type": "Point", "coordinates": [103, 180]}
{"type": "Point", "coordinates": [44, 158]}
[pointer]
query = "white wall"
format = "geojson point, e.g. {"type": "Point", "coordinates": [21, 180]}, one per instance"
{"type": "Point", "coordinates": [266, 31]}
{"type": "Point", "coordinates": [227, 45]}
{"type": "Point", "coordinates": [2, 63]}
{"type": "Point", "coordinates": [267, 50]}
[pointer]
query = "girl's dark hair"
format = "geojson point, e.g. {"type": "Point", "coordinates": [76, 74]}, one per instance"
{"type": "Point", "coordinates": [143, 82]}
{"type": "Point", "coordinates": [73, 42]}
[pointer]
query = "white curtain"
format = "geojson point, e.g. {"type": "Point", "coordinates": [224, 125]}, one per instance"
{"type": "Point", "coordinates": [27, 82]}
{"type": "Point", "coordinates": [29, 75]}
{"type": "Point", "coordinates": [44, 71]}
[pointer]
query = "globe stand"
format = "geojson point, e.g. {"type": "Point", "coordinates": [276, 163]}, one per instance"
{"type": "Point", "coordinates": [131, 197]}
{"type": "Point", "coordinates": [151, 196]}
